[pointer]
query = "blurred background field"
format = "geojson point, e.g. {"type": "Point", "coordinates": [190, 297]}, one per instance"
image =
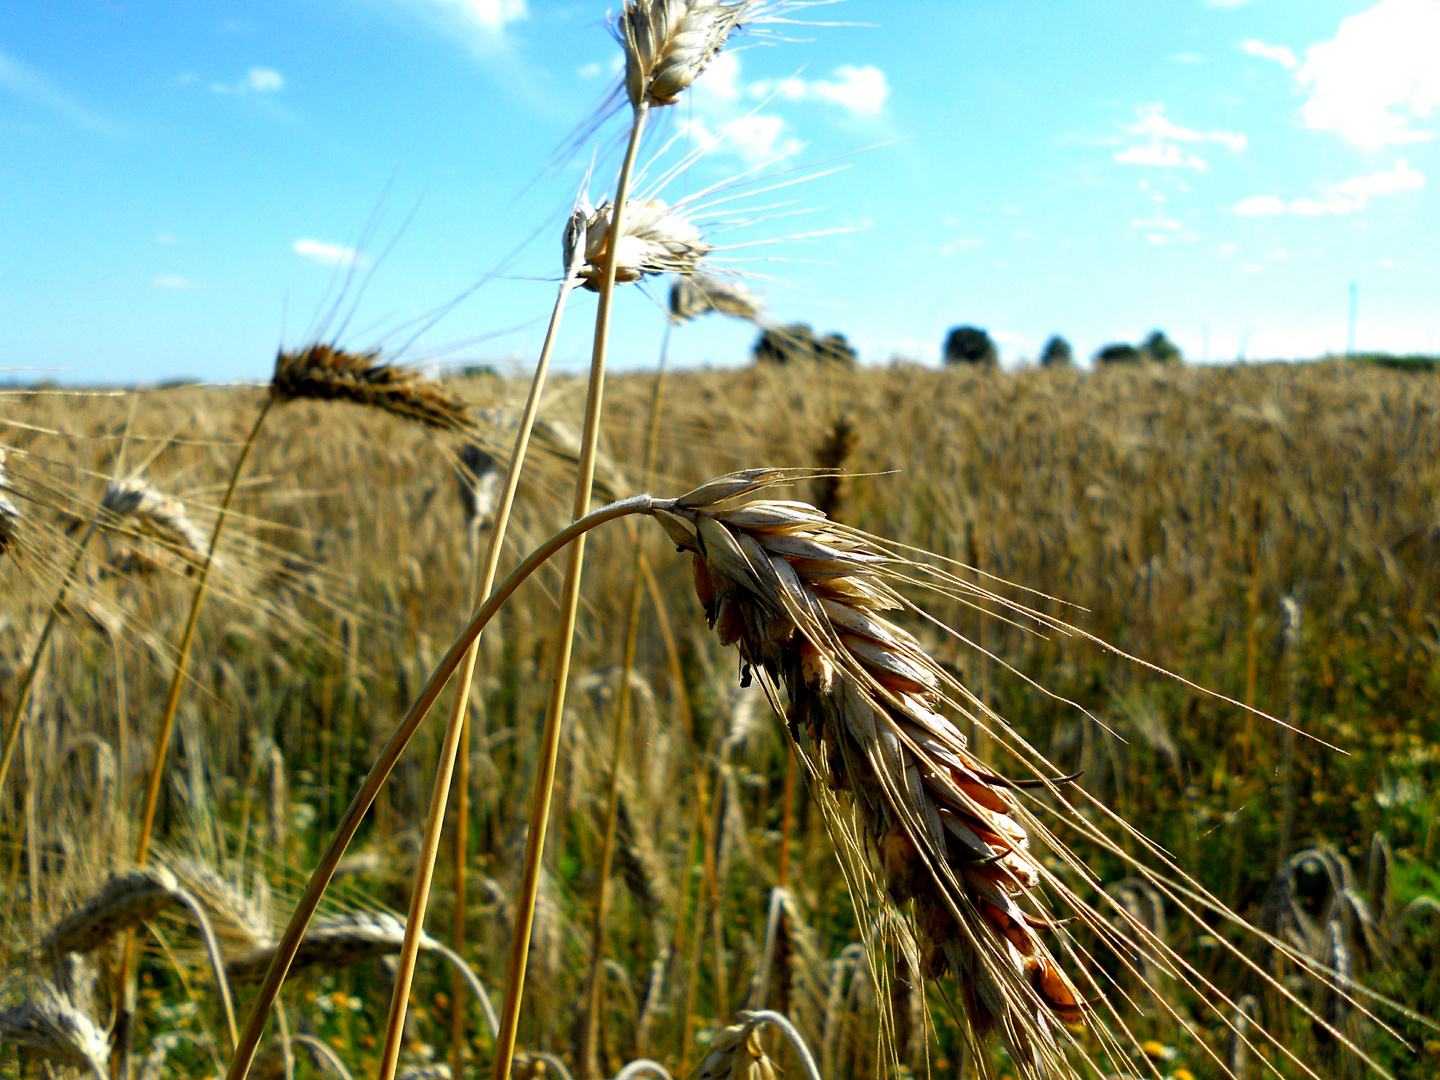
{"type": "Point", "coordinates": [1269, 532]}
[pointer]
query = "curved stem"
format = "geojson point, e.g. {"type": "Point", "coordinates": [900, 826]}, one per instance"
{"type": "Point", "coordinates": [781, 1021]}
{"type": "Point", "coordinates": [389, 754]}
{"type": "Point", "coordinates": [217, 963]}
{"type": "Point", "coordinates": [569, 607]}
{"type": "Point", "coordinates": [590, 1052]}
{"type": "Point", "coordinates": [468, 977]}
{"type": "Point", "coordinates": [457, 728]}
{"type": "Point", "coordinates": [641, 1066]}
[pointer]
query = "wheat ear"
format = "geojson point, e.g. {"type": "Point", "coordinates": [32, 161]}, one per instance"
{"type": "Point", "coordinates": [289, 942]}
{"type": "Point", "coordinates": [49, 1026]}
{"type": "Point", "coordinates": [457, 726]}
{"type": "Point", "coordinates": [9, 513]}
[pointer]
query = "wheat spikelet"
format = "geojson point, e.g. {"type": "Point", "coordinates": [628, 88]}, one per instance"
{"type": "Point", "coordinates": [323, 372]}
{"type": "Point", "coordinates": [135, 503]}
{"type": "Point", "coordinates": [656, 240]}
{"type": "Point", "coordinates": [123, 901]}
{"type": "Point", "coordinates": [9, 513]}
{"type": "Point", "coordinates": [479, 477]}
{"type": "Point", "coordinates": [694, 295]}
{"type": "Point", "coordinates": [801, 597]}
{"type": "Point", "coordinates": [668, 43]}
{"type": "Point", "coordinates": [49, 1027]}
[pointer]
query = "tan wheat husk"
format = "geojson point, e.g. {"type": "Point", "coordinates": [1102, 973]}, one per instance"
{"type": "Point", "coordinates": [134, 504]}
{"type": "Point", "coordinates": [698, 294]}
{"type": "Point", "coordinates": [668, 43]}
{"type": "Point", "coordinates": [655, 239]}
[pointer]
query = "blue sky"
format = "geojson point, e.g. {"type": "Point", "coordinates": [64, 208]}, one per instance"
{"type": "Point", "coordinates": [183, 184]}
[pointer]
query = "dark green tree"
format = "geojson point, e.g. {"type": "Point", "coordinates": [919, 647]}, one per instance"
{"type": "Point", "coordinates": [1057, 353]}
{"type": "Point", "coordinates": [970, 345]}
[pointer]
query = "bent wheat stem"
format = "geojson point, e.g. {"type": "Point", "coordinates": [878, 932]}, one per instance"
{"type": "Point", "coordinates": [569, 606]}
{"type": "Point", "coordinates": [324, 871]}
{"type": "Point", "coordinates": [457, 726]}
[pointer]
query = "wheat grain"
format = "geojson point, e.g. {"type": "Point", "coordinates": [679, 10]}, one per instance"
{"type": "Point", "coordinates": [323, 372]}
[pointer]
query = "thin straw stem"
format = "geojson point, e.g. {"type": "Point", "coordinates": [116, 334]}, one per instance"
{"type": "Point", "coordinates": [590, 1053]}
{"type": "Point", "coordinates": [390, 754]}
{"type": "Point", "coordinates": [569, 606]}
{"type": "Point", "coordinates": [456, 725]}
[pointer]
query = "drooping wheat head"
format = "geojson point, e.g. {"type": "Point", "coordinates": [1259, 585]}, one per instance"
{"type": "Point", "coordinates": [697, 294]}
{"type": "Point", "coordinates": [338, 941]}
{"type": "Point", "coordinates": [324, 372]}
{"type": "Point", "coordinates": [802, 599]}
{"type": "Point", "coordinates": [123, 901]}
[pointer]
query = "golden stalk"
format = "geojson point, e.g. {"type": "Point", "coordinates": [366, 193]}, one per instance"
{"type": "Point", "coordinates": [457, 726]}
{"type": "Point", "coordinates": [589, 1057]}
{"type": "Point", "coordinates": [569, 605]}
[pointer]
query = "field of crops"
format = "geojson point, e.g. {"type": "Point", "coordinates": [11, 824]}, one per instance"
{"type": "Point", "coordinates": [1111, 564]}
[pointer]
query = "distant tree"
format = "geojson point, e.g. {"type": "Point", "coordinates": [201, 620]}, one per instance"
{"type": "Point", "coordinates": [1159, 349]}
{"type": "Point", "coordinates": [1119, 353]}
{"type": "Point", "coordinates": [970, 345]}
{"type": "Point", "coordinates": [797, 343]}
{"type": "Point", "coordinates": [1057, 353]}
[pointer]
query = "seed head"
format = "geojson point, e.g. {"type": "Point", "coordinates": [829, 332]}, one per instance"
{"type": "Point", "coordinates": [479, 477]}
{"type": "Point", "coordinates": [694, 295]}
{"type": "Point", "coordinates": [324, 373]}
{"type": "Point", "coordinates": [737, 1054]}
{"type": "Point", "coordinates": [49, 1026]}
{"type": "Point", "coordinates": [125, 900]}
{"type": "Point", "coordinates": [132, 503]}
{"type": "Point", "coordinates": [668, 43]}
{"type": "Point", "coordinates": [655, 240]}
{"type": "Point", "coordinates": [802, 597]}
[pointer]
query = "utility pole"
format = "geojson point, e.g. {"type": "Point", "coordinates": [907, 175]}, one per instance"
{"type": "Point", "coordinates": [1354, 314]}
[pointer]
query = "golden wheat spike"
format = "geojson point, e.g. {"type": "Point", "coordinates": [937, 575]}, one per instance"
{"type": "Point", "coordinates": [133, 503]}
{"type": "Point", "coordinates": [322, 372]}
{"type": "Point", "coordinates": [655, 239]}
{"type": "Point", "coordinates": [668, 43]}
{"type": "Point", "coordinates": [47, 1026]}
{"type": "Point", "coordinates": [9, 513]}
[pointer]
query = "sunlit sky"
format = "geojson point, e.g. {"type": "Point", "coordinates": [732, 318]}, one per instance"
{"type": "Point", "coordinates": [186, 184]}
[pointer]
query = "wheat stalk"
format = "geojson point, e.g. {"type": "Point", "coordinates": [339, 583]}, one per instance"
{"type": "Point", "coordinates": [457, 727]}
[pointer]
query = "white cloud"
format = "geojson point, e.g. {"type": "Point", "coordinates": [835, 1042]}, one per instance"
{"type": "Point", "coordinates": [257, 80]}
{"type": "Point", "coordinates": [860, 91]}
{"type": "Point", "coordinates": [1163, 137]}
{"type": "Point", "coordinates": [1280, 54]}
{"type": "Point", "coordinates": [325, 254]}
{"type": "Point", "coordinates": [493, 15]}
{"type": "Point", "coordinates": [172, 281]}
{"type": "Point", "coordinates": [1347, 197]}
{"type": "Point", "coordinates": [1378, 74]}
{"type": "Point", "coordinates": [164, 238]}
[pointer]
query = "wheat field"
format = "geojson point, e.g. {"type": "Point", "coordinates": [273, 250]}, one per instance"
{"type": "Point", "coordinates": [1267, 533]}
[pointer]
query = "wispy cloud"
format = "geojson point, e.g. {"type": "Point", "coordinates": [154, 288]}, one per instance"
{"type": "Point", "coordinates": [1347, 197]}
{"type": "Point", "coordinates": [172, 281]}
{"type": "Point", "coordinates": [325, 254]}
{"type": "Point", "coordinates": [1164, 137]}
{"type": "Point", "coordinates": [480, 25]}
{"type": "Point", "coordinates": [1279, 54]}
{"type": "Point", "coordinates": [24, 81]}
{"type": "Point", "coordinates": [860, 91]}
{"type": "Point", "coordinates": [1377, 76]}
{"type": "Point", "coordinates": [257, 80]}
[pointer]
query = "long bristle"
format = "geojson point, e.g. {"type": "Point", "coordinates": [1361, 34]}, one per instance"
{"type": "Point", "coordinates": [322, 372]}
